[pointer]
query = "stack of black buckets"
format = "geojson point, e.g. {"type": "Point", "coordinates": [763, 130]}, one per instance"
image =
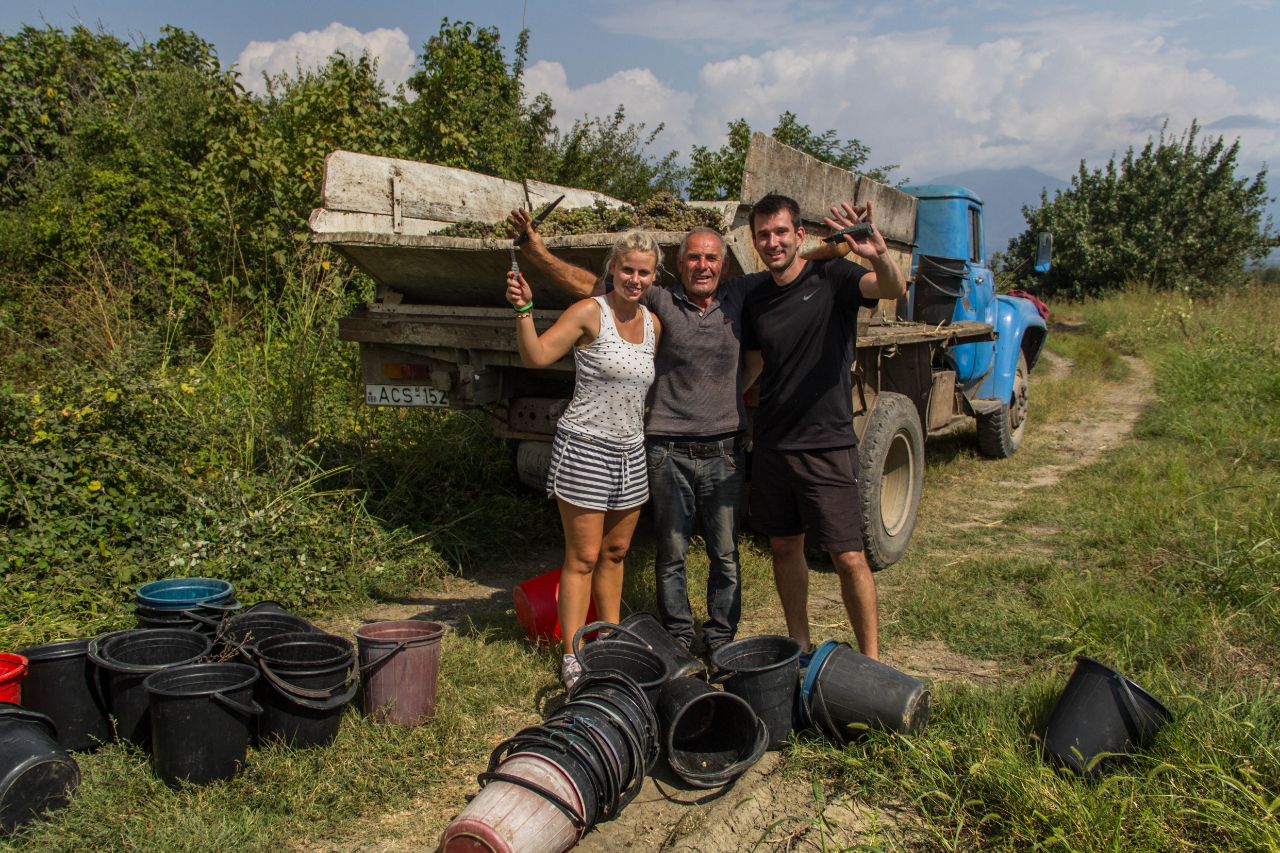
{"type": "Point", "coordinates": [644, 697]}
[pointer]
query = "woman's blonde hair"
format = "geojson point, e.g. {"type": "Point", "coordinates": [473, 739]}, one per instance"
{"type": "Point", "coordinates": [635, 240]}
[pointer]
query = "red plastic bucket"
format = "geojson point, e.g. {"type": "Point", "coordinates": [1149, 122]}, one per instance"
{"type": "Point", "coordinates": [12, 670]}
{"type": "Point", "coordinates": [535, 601]}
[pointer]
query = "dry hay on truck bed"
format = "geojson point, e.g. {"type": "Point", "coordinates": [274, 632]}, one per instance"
{"type": "Point", "coordinates": [660, 212]}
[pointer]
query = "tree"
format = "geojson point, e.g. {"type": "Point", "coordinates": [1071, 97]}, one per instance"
{"type": "Point", "coordinates": [1173, 215]}
{"type": "Point", "coordinates": [718, 174]}
{"type": "Point", "coordinates": [470, 111]}
{"type": "Point", "coordinates": [609, 156]}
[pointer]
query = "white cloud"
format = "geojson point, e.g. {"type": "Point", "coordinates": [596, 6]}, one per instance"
{"type": "Point", "coordinates": [312, 49]}
{"type": "Point", "coordinates": [645, 98]}
{"type": "Point", "coordinates": [1044, 92]}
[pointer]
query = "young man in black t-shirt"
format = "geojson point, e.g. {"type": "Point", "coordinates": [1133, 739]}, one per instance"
{"type": "Point", "coordinates": [799, 329]}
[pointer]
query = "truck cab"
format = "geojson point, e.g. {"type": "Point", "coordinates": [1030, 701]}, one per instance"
{"type": "Point", "coordinates": [951, 282]}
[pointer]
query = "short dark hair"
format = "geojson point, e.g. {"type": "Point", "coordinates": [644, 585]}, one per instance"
{"type": "Point", "coordinates": [771, 204]}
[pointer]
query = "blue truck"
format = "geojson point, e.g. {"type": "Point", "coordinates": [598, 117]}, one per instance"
{"type": "Point", "coordinates": [438, 332]}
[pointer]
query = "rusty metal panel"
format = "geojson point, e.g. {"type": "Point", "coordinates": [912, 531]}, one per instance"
{"type": "Point", "coordinates": [942, 399]}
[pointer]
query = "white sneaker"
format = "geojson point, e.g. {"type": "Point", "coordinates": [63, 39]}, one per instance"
{"type": "Point", "coordinates": [570, 671]}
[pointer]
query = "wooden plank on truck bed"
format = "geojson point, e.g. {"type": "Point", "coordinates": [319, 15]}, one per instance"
{"type": "Point", "coordinates": [363, 183]}
{"type": "Point", "coordinates": [774, 167]}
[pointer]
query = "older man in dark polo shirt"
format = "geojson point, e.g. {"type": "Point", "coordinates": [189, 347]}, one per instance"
{"type": "Point", "coordinates": [694, 426]}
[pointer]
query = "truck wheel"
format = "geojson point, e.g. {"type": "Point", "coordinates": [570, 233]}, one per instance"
{"type": "Point", "coordinates": [891, 458]}
{"type": "Point", "coordinates": [1000, 432]}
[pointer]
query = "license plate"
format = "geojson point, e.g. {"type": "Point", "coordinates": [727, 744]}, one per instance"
{"type": "Point", "coordinates": [405, 395]}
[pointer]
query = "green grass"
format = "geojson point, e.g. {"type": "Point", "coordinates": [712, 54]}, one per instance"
{"type": "Point", "coordinates": [1160, 558]}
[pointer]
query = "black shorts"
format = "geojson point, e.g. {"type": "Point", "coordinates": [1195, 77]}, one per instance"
{"type": "Point", "coordinates": [814, 492]}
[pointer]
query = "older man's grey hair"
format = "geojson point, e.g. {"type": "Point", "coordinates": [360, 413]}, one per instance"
{"type": "Point", "coordinates": [701, 229]}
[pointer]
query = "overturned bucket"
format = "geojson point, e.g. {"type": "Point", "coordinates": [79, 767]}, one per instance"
{"type": "Point", "coordinates": [845, 691]}
{"type": "Point", "coordinates": [36, 775]}
{"type": "Point", "coordinates": [765, 672]}
{"type": "Point", "coordinates": [399, 669]}
{"type": "Point", "coordinates": [528, 805]}
{"type": "Point", "coordinates": [645, 627]}
{"type": "Point", "coordinates": [711, 737]}
{"type": "Point", "coordinates": [201, 716]}
{"type": "Point", "coordinates": [1099, 719]}
{"type": "Point", "coordinates": [536, 607]}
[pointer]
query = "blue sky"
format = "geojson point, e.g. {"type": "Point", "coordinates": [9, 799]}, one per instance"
{"type": "Point", "coordinates": [934, 85]}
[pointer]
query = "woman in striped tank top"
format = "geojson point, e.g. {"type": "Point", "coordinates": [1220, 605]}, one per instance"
{"type": "Point", "coordinates": [597, 472]}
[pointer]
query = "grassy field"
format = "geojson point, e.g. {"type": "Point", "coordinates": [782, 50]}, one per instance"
{"type": "Point", "coordinates": [1161, 558]}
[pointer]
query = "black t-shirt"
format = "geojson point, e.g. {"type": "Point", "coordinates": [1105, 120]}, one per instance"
{"type": "Point", "coordinates": [806, 333]}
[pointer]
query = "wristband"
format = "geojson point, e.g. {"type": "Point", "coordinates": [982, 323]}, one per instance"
{"type": "Point", "coordinates": [528, 307]}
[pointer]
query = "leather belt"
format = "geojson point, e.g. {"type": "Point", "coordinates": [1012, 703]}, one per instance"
{"type": "Point", "coordinates": [700, 449]}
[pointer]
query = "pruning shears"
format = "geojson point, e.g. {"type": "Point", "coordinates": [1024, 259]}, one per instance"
{"type": "Point", "coordinates": [524, 235]}
{"type": "Point", "coordinates": [858, 231]}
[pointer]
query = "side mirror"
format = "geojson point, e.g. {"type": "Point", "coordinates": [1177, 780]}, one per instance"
{"type": "Point", "coordinates": [1044, 251]}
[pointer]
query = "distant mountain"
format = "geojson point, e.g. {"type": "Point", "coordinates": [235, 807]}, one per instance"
{"type": "Point", "coordinates": [1003, 193]}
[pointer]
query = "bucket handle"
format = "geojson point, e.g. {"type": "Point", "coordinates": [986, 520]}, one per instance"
{"type": "Point", "coordinates": [325, 697]}
{"type": "Point", "coordinates": [250, 710]}
{"type": "Point", "coordinates": [579, 822]}
{"type": "Point", "coordinates": [381, 659]}
{"type": "Point", "coordinates": [212, 623]}
{"type": "Point", "coordinates": [596, 626]}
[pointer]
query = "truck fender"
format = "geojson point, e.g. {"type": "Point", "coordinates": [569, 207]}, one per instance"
{"type": "Point", "coordinates": [1019, 328]}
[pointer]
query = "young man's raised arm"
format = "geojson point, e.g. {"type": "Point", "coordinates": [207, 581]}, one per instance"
{"type": "Point", "coordinates": [573, 280]}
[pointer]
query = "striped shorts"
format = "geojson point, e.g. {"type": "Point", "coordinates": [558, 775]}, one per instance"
{"type": "Point", "coordinates": [594, 474]}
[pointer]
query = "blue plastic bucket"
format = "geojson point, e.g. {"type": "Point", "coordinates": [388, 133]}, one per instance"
{"type": "Point", "coordinates": [183, 593]}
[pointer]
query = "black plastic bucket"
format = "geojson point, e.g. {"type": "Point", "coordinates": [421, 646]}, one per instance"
{"type": "Point", "coordinates": [630, 656]}
{"type": "Point", "coordinates": [765, 672]}
{"type": "Point", "coordinates": [1100, 717]}
{"type": "Point", "coordinates": [680, 661]}
{"type": "Point", "coordinates": [845, 691]}
{"type": "Point", "coordinates": [201, 716]}
{"type": "Point", "coordinates": [204, 618]}
{"type": "Point", "coordinates": [36, 775]}
{"type": "Point", "coordinates": [939, 284]}
{"type": "Point", "coordinates": [619, 694]}
{"type": "Point", "coordinates": [241, 633]}
{"type": "Point", "coordinates": [307, 680]}
{"type": "Point", "coordinates": [62, 685]}
{"type": "Point", "coordinates": [711, 737]}
{"type": "Point", "coordinates": [126, 658]}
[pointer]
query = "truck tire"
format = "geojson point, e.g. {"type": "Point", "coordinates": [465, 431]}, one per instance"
{"type": "Point", "coordinates": [891, 459]}
{"type": "Point", "coordinates": [1000, 432]}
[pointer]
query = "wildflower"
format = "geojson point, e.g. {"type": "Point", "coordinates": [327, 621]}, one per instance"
{"type": "Point", "coordinates": [95, 485]}
{"type": "Point", "coordinates": [187, 389]}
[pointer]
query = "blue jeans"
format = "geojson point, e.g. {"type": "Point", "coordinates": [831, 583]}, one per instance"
{"type": "Point", "coordinates": [688, 487]}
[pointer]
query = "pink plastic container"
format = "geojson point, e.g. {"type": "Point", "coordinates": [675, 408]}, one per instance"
{"type": "Point", "coordinates": [508, 818]}
{"type": "Point", "coordinates": [535, 601]}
